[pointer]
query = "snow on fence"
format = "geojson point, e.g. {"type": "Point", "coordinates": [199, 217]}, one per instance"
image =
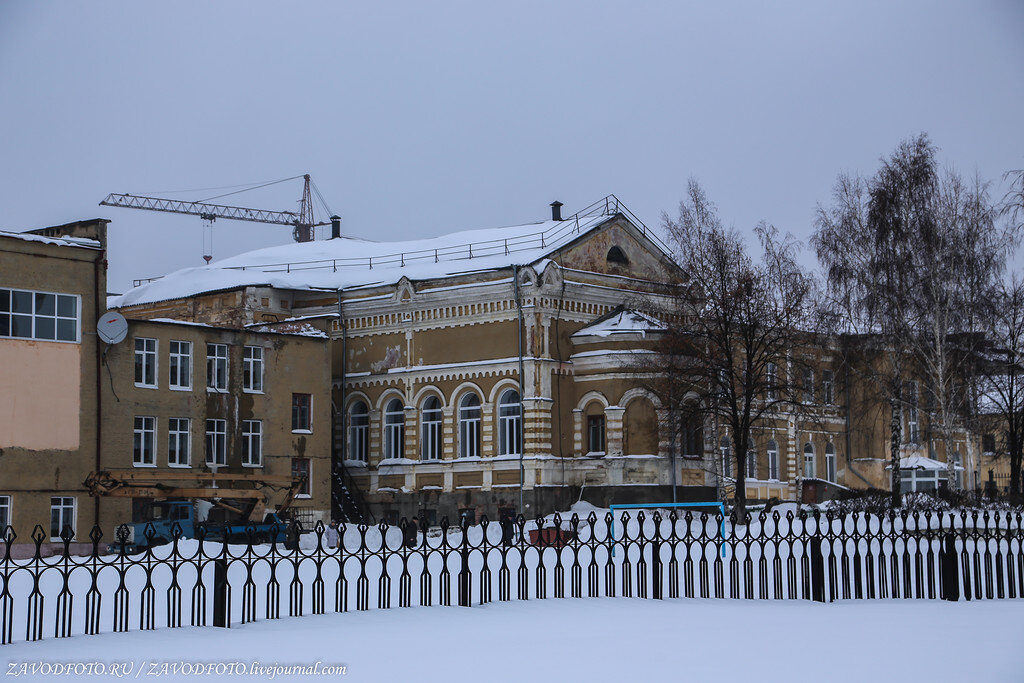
{"type": "Point", "coordinates": [954, 556]}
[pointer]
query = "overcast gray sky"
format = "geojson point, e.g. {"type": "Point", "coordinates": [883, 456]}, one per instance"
{"type": "Point", "coordinates": [417, 119]}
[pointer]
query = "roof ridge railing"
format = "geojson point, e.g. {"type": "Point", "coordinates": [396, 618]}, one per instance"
{"type": "Point", "coordinates": [610, 205]}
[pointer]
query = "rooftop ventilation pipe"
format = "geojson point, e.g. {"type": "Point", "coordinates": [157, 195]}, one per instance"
{"type": "Point", "coordinates": [335, 227]}
{"type": "Point", "coordinates": [556, 210]}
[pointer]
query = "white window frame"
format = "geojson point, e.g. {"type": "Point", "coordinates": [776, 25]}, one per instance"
{"type": "Point", "coordinates": [751, 463]}
{"type": "Point", "coordinates": [808, 388]}
{"type": "Point", "coordinates": [830, 462]}
{"type": "Point", "coordinates": [146, 360]}
{"type": "Point", "coordinates": [179, 364]}
{"type": "Point", "coordinates": [913, 420]}
{"type": "Point", "coordinates": [394, 429]}
{"type": "Point", "coordinates": [143, 431]}
{"type": "Point", "coordinates": [252, 443]}
{"type": "Point", "coordinates": [308, 492]}
{"type": "Point", "coordinates": [216, 361]}
{"type": "Point", "coordinates": [773, 460]}
{"type": "Point", "coordinates": [216, 442]}
{"type": "Point", "coordinates": [771, 375]}
{"type": "Point", "coordinates": [359, 434]}
{"type": "Point", "coordinates": [469, 426]}
{"type": "Point", "coordinates": [810, 466]}
{"type": "Point", "coordinates": [67, 506]}
{"type": "Point", "coordinates": [430, 430]}
{"type": "Point", "coordinates": [179, 441]}
{"type": "Point", "coordinates": [725, 452]}
{"type": "Point", "coordinates": [5, 514]}
{"type": "Point", "coordinates": [509, 423]}
{"type": "Point", "coordinates": [252, 370]}
{"type": "Point", "coordinates": [828, 387]}
{"type": "Point", "coordinates": [910, 478]}
{"type": "Point", "coordinates": [308, 429]}
{"type": "Point", "coordinates": [34, 317]}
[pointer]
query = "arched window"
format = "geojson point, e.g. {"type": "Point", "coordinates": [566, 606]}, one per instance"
{"type": "Point", "coordinates": [469, 426]}
{"type": "Point", "coordinates": [430, 421]}
{"type": "Point", "coordinates": [394, 429]}
{"type": "Point", "coordinates": [809, 469]}
{"type": "Point", "coordinates": [509, 422]}
{"type": "Point", "coordinates": [358, 431]}
{"type": "Point", "coordinates": [830, 462]}
{"type": "Point", "coordinates": [725, 449]}
{"type": "Point", "coordinates": [752, 462]}
{"type": "Point", "coordinates": [773, 460]}
{"type": "Point", "coordinates": [616, 255]}
{"type": "Point", "coordinates": [691, 440]}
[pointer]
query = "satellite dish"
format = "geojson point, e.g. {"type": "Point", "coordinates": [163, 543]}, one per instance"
{"type": "Point", "coordinates": [112, 327]}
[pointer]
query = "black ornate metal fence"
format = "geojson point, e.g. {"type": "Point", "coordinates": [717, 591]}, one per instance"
{"type": "Point", "coordinates": [198, 582]}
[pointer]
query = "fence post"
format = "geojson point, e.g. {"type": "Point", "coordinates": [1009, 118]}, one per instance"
{"type": "Point", "coordinates": [464, 579]}
{"type": "Point", "coordinates": [817, 570]}
{"type": "Point", "coordinates": [220, 593]}
{"type": "Point", "coordinates": [656, 569]}
{"type": "Point", "coordinates": [949, 562]}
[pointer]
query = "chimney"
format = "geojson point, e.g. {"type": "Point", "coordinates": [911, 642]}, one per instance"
{"type": "Point", "coordinates": [335, 227]}
{"type": "Point", "coordinates": [556, 210]}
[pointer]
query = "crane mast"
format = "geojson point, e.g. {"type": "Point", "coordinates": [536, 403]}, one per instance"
{"type": "Point", "coordinates": [302, 222]}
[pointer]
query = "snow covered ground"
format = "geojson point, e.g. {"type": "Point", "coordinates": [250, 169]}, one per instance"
{"type": "Point", "coordinates": [594, 639]}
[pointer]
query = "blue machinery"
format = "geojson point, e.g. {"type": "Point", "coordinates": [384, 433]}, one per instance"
{"type": "Point", "coordinates": [658, 506]}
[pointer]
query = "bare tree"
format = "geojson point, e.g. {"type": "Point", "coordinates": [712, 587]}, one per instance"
{"type": "Point", "coordinates": [864, 243]}
{"type": "Point", "coordinates": [731, 328]}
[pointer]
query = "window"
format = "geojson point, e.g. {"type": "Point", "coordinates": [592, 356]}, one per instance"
{"type": "Point", "coordinates": [358, 432]}
{"type": "Point", "coordinates": [830, 462]}
{"type": "Point", "coordinates": [5, 514]}
{"type": "Point", "coordinates": [302, 469]}
{"type": "Point", "coordinates": [38, 315]}
{"type": "Point", "coordinates": [770, 380]}
{"type": "Point", "coordinates": [808, 385]}
{"type": "Point", "coordinates": [252, 443]}
{"type": "Point", "coordinates": [752, 463]}
{"type": "Point", "coordinates": [725, 449]}
{"type": "Point", "coordinates": [910, 397]}
{"type": "Point", "coordinates": [509, 423]}
{"type": "Point", "coordinates": [595, 433]}
{"type": "Point", "coordinates": [826, 388]}
{"type": "Point", "coordinates": [144, 444]}
{"type": "Point", "coordinates": [394, 429]}
{"type": "Point", "coordinates": [62, 516]}
{"type": "Point", "coordinates": [988, 444]}
{"type": "Point", "coordinates": [217, 367]}
{"type": "Point", "coordinates": [181, 365]}
{"type": "Point", "coordinates": [469, 426]}
{"type": "Point", "coordinates": [145, 362]}
{"type": "Point", "coordinates": [773, 460]}
{"type": "Point", "coordinates": [302, 409]}
{"type": "Point", "coordinates": [179, 442]}
{"type": "Point", "coordinates": [430, 446]}
{"type": "Point", "coordinates": [691, 440]}
{"type": "Point", "coordinates": [252, 369]}
{"type": "Point", "coordinates": [616, 255]}
{"type": "Point", "coordinates": [809, 470]}
{"type": "Point", "coordinates": [918, 480]}
{"type": "Point", "coordinates": [216, 442]}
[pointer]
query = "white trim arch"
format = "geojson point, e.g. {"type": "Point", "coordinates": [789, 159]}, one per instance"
{"type": "Point", "coordinates": [500, 387]}
{"type": "Point", "coordinates": [352, 397]}
{"type": "Point", "coordinates": [462, 389]}
{"type": "Point", "coordinates": [387, 395]}
{"type": "Point", "coordinates": [639, 392]}
{"type": "Point", "coordinates": [421, 396]}
{"type": "Point", "coordinates": [592, 396]}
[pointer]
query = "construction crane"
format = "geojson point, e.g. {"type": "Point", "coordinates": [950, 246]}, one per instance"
{"type": "Point", "coordinates": [302, 222]}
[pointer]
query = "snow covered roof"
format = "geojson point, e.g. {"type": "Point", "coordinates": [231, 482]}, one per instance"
{"type": "Point", "coordinates": [621, 321]}
{"type": "Point", "coordinates": [83, 242]}
{"type": "Point", "coordinates": [346, 262]}
{"type": "Point", "coordinates": [920, 462]}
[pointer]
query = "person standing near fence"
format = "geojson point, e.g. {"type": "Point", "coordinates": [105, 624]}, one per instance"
{"type": "Point", "coordinates": [331, 535]}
